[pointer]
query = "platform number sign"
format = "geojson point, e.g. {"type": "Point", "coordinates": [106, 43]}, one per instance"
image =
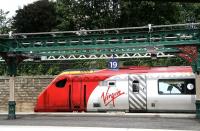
{"type": "Point", "coordinates": [113, 64]}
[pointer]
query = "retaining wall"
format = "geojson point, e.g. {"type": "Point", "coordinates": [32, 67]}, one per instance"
{"type": "Point", "coordinates": [27, 89]}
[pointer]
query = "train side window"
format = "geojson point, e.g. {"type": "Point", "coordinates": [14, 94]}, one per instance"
{"type": "Point", "coordinates": [171, 87]}
{"type": "Point", "coordinates": [61, 83]}
{"type": "Point", "coordinates": [135, 86]}
{"type": "Point", "coordinates": [111, 83]}
{"type": "Point", "coordinates": [176, 87]}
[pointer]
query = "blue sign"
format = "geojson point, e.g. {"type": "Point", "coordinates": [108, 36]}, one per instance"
{"type": "Point", "coordinates": [113, 64]}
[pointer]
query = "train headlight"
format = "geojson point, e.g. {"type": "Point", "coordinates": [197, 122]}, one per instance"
{"type": "Point", "coordinates": [190, 86]}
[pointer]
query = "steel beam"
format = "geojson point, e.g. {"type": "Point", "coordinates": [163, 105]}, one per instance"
{"type": "Point", "coordinates": [98, 40]}
{"type": "Point", "coordinates": [103, 56]}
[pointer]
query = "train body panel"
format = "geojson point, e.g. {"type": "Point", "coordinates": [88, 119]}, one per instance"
{"type": "Point", "coordinates": [168, 89]}
{"type": "Point", "coordinates": [110, 95]}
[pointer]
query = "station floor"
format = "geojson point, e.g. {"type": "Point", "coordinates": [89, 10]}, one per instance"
{"type": "Point", "coordinates": [162, 115]}
{"type": "Point", "coordinates": [53, 128]}
{"type": "Point", "coordinates": [118, 121]}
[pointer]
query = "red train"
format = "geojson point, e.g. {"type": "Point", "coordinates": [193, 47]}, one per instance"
{"type": "Point", "coordinates": [129, 89]}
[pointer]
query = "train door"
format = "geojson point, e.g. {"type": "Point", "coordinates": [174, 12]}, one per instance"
{"type": "Point", "coordinates": [76, 94]}
{"type": "Point", "coordinates": [137, 92]}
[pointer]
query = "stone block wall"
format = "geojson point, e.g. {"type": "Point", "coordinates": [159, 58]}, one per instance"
{"type": "Point", "coordinates": [27, 89]}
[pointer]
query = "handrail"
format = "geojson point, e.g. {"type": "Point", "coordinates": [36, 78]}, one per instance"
{"type": "Point", "coordinates": [149, 26]}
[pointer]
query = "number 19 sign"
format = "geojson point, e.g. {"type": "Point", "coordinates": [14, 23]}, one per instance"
{"type": "Point", "coordinates": [113, 64]}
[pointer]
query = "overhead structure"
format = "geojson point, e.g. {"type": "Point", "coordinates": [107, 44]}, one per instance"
{"type": "Point", "coordinates": [181, 40]}
{"type": "Point", "coordinates": [130, 42]}
{"type": "Point", "coordinates": [104, 56]}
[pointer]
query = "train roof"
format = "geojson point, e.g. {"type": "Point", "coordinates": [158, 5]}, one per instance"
{"type": "Point", "coordinates": [131, 70]}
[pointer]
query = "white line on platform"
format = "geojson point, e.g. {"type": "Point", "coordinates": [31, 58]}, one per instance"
{"type": "Point", "coordinates": [59, 128]}
{"type": "Point", "coordinates": [162, 115]}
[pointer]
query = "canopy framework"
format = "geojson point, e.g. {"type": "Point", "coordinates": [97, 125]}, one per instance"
{"type": "Point", "coordinates": [129, 42]}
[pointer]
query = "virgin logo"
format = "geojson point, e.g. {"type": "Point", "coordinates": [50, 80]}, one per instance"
{"type": "Point", "coordinates": [110, 97]}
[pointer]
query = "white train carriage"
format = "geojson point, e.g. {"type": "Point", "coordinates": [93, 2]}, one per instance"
{"type": "Point", "coordinates": [135, 89]}
{"type": "Point", "coordinates": [151, 92]}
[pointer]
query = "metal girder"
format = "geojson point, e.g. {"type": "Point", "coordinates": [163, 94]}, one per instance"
{"type": "Point", "coordinates": [109, 51]}
{"type": "Point", "coordinates": [66, 56]}
{"type": "Point", "coordinates": [147, 39]}
{"type": "Point", "coordinates": [29, 59]}
{"type": "Point", "coordinates": [103, 56]}
{"type": "Point", "coordinates": [165, 38]}
{"type": "Point", "coordinates": [100, 56]}
{"type": "Point", "coordinates": [102, 44]}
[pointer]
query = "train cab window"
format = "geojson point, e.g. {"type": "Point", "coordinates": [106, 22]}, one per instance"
{"type": "Point", "coordinates": [61, 83]}
{"type": "Point", "coordinates": [177, 87]}
{"type": "Point", "coordinates": [135, 86]}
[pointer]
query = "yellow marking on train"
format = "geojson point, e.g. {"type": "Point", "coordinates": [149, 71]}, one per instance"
{"type": "Point", "coordinates": [78, 72]}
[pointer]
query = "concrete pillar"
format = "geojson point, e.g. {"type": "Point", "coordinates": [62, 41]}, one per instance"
{"type": "Point", "coordinates": [198, 95]}
{"type": "Point", "coordinates": [12, 88]}
{"type": "Point", "coordinates": [11, 102]}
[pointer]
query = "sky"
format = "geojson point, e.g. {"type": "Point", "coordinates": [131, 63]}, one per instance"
{"type": "Point", "coordinates": [13, 5]}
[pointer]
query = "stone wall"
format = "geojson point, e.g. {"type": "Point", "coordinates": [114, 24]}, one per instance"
{"type": "Point", "coordinates": [27, 89]}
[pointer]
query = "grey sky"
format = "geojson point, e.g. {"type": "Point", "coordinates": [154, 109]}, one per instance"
{"type": "Point", "coordinates": [13, 5]}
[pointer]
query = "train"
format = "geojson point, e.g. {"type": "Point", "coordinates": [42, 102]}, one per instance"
{"type": "Point", "coordinates": [128, 89]}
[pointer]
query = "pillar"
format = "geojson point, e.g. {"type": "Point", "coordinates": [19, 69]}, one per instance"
{"type": "Point", "coordinates": [198, 96]}
{"type": "Point", "coordinates": [11, 102]}
{"type": "Point", "coordinates": [12, 71]}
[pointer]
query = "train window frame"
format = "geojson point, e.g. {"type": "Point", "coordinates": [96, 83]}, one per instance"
{"type": "Point", "coordinates": [103, 83]}
{"type": "Point", "coordinates": [61, 83]}
{"type": "Point", "coordinates": [137, 87]}
{"type": "Point", "coordinates": [184, 91]}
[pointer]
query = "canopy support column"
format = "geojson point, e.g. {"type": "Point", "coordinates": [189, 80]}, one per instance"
{"type": "Point", "coordinates": [11, 102]}
{"type": "Point", "coordinates": [198, 96]}
{"type": "Point", "coordinates": [12, 70]}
